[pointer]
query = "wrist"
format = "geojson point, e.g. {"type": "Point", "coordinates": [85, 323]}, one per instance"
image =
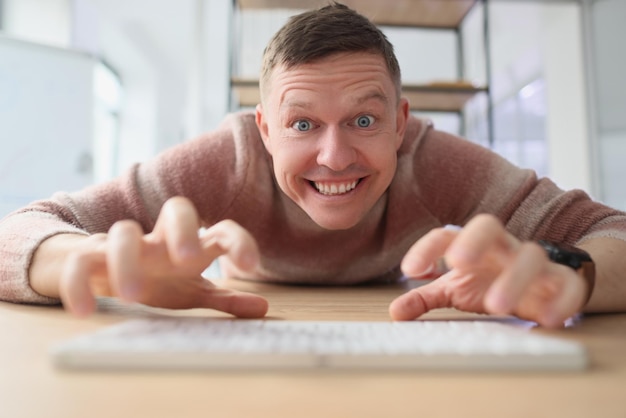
{"type": "Point", "coordinates": [575, 258]}
{"type": "Point", "coordinates": [588, 272]}
{"type": "Point", "coordinates": [48, 260]}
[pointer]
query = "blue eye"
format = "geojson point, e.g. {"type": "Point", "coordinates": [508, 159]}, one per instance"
{"type": "Point", "coordinates": [364, 121]}
{"type": "Point", "coordinates": [302, 125]}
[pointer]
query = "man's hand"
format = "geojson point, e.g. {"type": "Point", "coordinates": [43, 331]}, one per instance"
{"type": "Point", "coordinates": [162, 268]}
{"type": "Point", "coordinates": [490, 271]}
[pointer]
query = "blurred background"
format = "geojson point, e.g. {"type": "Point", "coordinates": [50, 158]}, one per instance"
{"type": "Point", "coordinates": [88, 87]}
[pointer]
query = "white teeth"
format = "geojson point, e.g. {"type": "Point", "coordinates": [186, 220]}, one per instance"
{"type": "Point", "coordinates": [335, 189]}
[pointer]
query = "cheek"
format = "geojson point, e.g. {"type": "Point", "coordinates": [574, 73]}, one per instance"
{"type": "Point", "coordinates": [288, 163]}
{"type": "Point", "coordinates": [383, 155]}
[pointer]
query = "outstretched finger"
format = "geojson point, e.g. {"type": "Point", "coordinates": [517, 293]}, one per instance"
{"type": "Point", "coordinates": [425, 257]}
{"type": "Point", "coordinates": [202, 293]}
{"type": "Point", "coordinates": [506, 292]}
{"type": "Point", "coordinates": [564, 294]}
{"type": "Point", "coordinates": [417, 302]}
{"type": "Point", "coordinates": [231, 239]}
{"type": "Point", "coordinates": [74, 287]}
{"type": "Point", "coordinates": [239, 304]}
{"type": "Point", "coordinates": [483, 234]}
{"type": "Point", "coordinates": [565, 304]}
{"type": "Point", "coordinates": [124, 249]}
{"type": "Point", "coordinates": [178, 225]}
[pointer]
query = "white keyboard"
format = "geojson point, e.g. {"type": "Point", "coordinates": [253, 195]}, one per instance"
{"type": "Point", "coordinates": [203, 343]}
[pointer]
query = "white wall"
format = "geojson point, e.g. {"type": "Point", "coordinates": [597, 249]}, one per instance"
{"type": "Point", "coordinates": [43, 21]}
{"type": "Point", "coordinates": [608, 67]}
{"type": "Point", "coordinates": [173, 61]}
{"type": "Point", "coordinates": [172, 58]}
{"type": "Point", "coordinates": [154, 80]}
{"type": "Point", "coordinates": [568, 130]}
{"type": "Point", "coordinates": [46, 100]}
{"type": "Point", "coordinates": [213, 58]}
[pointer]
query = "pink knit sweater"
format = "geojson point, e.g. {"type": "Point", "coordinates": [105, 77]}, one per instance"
{"type": "Point", "coordinates": [440, 179]}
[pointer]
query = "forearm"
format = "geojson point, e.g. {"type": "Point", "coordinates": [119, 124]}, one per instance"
{"type": "Point", "coordinates": [49, 259]}
{"type": "Point", "coordinates": [609, 255]}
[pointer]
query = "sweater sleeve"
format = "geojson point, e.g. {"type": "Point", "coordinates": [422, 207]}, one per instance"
{"type": "Point", "coordinates": [459, 179]}
{"type": "Point", "coordinates": [207, 170]}
{"type": "Point", "coordinates": [89, 211]}
{"type": "Point", "coordinates": [20, 233]}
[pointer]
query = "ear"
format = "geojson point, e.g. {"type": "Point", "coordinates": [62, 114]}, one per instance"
{"type": "Point", "coordinates": [402, 117]}
{"type": "Point", "coordinates": [261, 123]}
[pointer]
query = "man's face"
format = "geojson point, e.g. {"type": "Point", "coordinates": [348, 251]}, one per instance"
{"type": "Point", "coordinates": [333, 129]}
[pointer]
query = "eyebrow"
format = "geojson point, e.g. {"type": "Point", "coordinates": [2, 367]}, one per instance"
{"type": "Point", "coordinates": [372, 95]}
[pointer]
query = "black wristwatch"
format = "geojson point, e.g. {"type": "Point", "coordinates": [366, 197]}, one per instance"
{"type": "Point", "coordinates": [575, 258]}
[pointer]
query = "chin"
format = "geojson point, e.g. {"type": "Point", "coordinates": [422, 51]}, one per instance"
{"type": "Point", "coordinates": [332, 223]}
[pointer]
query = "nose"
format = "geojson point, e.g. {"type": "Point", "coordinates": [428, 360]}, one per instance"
{"type": "Point", "coordinates": [336, 150]}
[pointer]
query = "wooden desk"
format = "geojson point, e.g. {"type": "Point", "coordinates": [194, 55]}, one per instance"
{"type": "Point", "coordinates": [31, 387]}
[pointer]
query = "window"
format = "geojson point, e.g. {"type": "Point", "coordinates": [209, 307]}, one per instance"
{"type": "Point", "coordinates": [108, 96]}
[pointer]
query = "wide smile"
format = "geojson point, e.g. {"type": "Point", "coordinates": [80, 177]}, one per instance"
{"type": "Point", "coordinates": [335, 188]}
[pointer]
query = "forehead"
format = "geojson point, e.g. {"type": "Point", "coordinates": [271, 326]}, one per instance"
{"type": "Point", "coordinates": [364, 74]}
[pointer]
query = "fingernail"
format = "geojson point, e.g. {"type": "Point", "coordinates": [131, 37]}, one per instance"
{"type": "Point", "coordinates": [408, 268]}
{"type": "Point", "coordinates": [451, 227]}
{"type": "Point", "coordinates": [429, 270]}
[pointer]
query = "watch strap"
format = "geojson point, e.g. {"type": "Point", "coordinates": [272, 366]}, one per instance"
{"type": "Point", "coordinates": [575, 258]}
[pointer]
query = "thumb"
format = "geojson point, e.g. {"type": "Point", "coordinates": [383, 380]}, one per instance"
{"type": "Point", "coordinates": [417, 302]}
{"type": "Point", "coordinates": [240, 304]}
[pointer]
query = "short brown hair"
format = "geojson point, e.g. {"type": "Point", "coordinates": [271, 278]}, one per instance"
{"type": "Point", "coordinates": [316, 34]}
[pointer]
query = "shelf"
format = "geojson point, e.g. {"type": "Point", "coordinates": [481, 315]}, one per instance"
{"type": "Point", "coordinates": [434, 97]}
{"type": "Point", "coordinates": [445, 14]}
{"type": "Point", "coordinates": [440, 97]}
{"type": "Point", "coordinates": [246, 92]}
{"type": "Point", "coordinates": [449, 15]}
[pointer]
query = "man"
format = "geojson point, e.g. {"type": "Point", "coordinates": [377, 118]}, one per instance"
{"type": "Point", "coordinates": [330, 181]}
